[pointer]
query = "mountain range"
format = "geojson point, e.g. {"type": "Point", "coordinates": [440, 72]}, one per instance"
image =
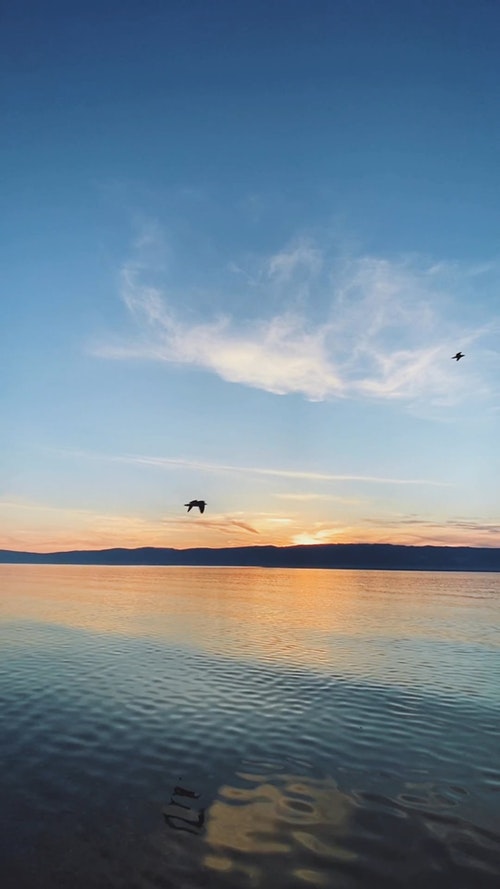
{"type": "Point", "coordinates": [336, 555]}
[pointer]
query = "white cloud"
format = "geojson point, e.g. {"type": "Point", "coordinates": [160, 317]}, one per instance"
{"type": "Point", "coordinates": [367, 328]}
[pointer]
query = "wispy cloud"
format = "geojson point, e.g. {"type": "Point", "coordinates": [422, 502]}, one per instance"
{"type": "Point", "coordinates": [418, 530]}
{"type": "Point", "coordinates": [365, 327]}
{"type": "Point", "coordinates": [46, 527]}
{"type": "Point", "coordinates": [303, 257]}
{"type": "Point", "coordinates": [311, 497]}
{"type": "Point", "coordinates": [459, 524]}
{"type": "Point", "coordinates": [219, 523]}
{"type": "Point", "coordinates": [203, 466]}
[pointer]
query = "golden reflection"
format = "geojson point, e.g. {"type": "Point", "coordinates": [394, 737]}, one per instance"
{"type": "Point", "coordinates": [277, 815]}
{"type": "Point", "coordinates": [310, 876]}
{"type": "Point", "coordinates": [316, 618]}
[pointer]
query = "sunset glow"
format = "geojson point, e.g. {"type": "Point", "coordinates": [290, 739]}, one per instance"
{"type": "Point", "coordinates": [244, 281]}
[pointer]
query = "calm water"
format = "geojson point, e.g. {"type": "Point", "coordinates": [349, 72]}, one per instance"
{"type": "Point", "coordinates": [244, 727]}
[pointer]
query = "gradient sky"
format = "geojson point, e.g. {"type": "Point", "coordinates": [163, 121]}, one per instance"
{"type": "Point", "coordinates": [241, 242]}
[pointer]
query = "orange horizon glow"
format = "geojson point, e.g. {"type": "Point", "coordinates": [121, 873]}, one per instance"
{"type": "Point", "coordinates": [43, 529]}
{"type": "Point", "coordinates": [25, 542]}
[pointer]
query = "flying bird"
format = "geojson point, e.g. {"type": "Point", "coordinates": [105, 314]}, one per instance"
{"type": "Point", "coordinates": [458, 356]}
{"type": "Point", "coordinates": [199, 503]}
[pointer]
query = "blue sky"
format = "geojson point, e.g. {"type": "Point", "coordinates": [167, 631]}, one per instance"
{"type": "Point", "coordinates": [241, 242]}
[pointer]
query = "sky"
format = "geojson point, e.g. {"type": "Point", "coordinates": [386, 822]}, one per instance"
{"type": "Point", "coordinates": [240, 244]}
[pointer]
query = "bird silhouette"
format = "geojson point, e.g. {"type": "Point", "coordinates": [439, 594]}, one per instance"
{"type": "Point", "coordinates": [458, 356]}
{"type": "Point", "coordinates": [199, 503]}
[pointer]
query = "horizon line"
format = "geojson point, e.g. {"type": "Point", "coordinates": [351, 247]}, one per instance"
{"type": "Point", "coordinates": [287, 546]}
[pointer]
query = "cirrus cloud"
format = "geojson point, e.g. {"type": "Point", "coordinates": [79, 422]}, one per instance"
{"type": "Point", "coordinates": [368, 328]}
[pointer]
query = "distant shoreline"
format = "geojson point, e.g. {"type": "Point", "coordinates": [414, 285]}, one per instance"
{"type": "Point", "coordinates": [353, 556]}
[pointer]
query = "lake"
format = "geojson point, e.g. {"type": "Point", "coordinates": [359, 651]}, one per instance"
{"type": "Point", "coordinates": [223, 727]}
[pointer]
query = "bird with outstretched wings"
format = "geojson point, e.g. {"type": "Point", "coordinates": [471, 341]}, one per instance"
{"type": "Point", "coordinates": [199, 503]}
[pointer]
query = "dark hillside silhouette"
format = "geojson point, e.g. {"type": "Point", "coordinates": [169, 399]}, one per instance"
{"type": "Point", "coordinates": [336, 555]}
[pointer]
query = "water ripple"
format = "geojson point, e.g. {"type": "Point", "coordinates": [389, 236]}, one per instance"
{"type": "Point", "coordinates": [148, 760]}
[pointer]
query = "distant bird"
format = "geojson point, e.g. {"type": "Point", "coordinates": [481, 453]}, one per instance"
{"type": "Point", "coordinates": [458, 356]}
{"type": "Point", "coordinates": [199, 503]}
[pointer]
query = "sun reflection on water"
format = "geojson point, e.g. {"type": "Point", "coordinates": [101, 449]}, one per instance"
{"type": "Point", "coordinates": [261, 823]}
{"type": "Point", "coordinates": [378, 625]}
